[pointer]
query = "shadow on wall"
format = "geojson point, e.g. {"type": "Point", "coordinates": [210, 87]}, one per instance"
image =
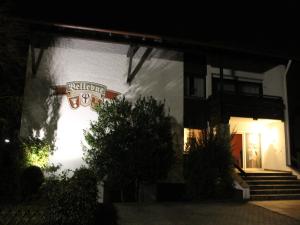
{"type": "Point", "coordinates": [271, 158]}
{"type": "Point", "coordinates": [163, 79]}
{"type": "Point", "coordinates": [41, 106]}
{"type": "Point", "coordinates": [176, 173]}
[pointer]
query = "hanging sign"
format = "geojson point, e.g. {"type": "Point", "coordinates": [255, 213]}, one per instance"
{"type": "Point", "coordinates": [85, 93]}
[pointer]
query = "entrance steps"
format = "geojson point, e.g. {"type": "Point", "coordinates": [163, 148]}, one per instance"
{"type": "Point", "coordinates": [270, 185]}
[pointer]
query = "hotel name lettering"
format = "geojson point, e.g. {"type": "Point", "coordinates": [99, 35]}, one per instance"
{"type": "Point", "coordinates": [85, 93]}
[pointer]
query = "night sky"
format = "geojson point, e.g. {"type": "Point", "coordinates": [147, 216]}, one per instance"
{"type": "Point", "coordinates": [264, 28]}
{"type": "Point", "coordinates": [251, 22]}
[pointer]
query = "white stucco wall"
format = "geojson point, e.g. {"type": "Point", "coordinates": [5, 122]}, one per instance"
{"type": "Point", "coordinates": [73, 59]}
{"type": "Point", "coordinates": [274, 81]}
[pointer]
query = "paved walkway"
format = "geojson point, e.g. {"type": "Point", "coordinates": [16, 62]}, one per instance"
{"type": "Point", "coordinates": [210, 213]}
{"type": "Point", "coordinates": [290, 208]}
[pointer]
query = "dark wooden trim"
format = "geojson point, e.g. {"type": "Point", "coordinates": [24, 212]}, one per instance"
{"type": "Point", "coordinates": [131, 52]}
{"type": "Point", "coordinates": [139, 65]}
{"type": "Point", "coordinates": [253, 106]}
{"type": "Point", "coordinates": [35, 63]}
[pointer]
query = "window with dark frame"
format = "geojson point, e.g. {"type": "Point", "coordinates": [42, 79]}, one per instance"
{"type": "Point", "coordinates": [232, 86]}
{"type": "Point", "coordinates": [194, 75]}
{"type": "Point", "coordinates": [194, 86]}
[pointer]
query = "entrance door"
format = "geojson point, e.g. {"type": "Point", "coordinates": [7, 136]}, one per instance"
{"type": "Point", "coordinates": [253, 150]}
{"type": "Point", "coordinates": [237, 149]}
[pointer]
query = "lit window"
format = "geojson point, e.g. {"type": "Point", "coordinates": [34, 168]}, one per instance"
{"type": "Point", "coordinates": [189, 136]}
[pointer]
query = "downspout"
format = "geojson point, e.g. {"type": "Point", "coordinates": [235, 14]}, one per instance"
{"type": "Point", "coordinates": [286, 116]}
{"type": "Point", "coordinates": [222, 94]}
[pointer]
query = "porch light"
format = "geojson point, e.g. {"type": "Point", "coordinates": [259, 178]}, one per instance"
{"type": "Point", "coordinates": [6, 140]}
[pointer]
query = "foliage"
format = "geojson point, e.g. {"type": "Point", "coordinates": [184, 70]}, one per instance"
{"type": "Point", "coordinates": [31, 180]}
{"type": "Point", "coordinates": [37, 152]}
{"type": "Point", "coordinates": [72, 200]}
{"type": "Point", "coordinates": [130, 143]}
{"type": "Point", "coordinates": [209, 164]}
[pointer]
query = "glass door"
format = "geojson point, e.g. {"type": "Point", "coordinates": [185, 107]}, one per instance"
{"type": "Point", "coordinates": [253, 150]}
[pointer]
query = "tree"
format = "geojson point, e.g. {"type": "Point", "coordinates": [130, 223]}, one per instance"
{"type": "Point", "coordinates": [130, 143]}
{"type": "Point", "coordinates": [14, 40]}
{"type": "Point", "coordinates": [209, 164]}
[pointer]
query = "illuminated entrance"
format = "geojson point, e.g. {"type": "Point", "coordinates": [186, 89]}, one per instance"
{"type": "Point", "coordinates": [258, 143]}
{"type": "Point", "coordinates": [252, 150]}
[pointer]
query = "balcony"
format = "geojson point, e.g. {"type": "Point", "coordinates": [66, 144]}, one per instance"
{"type": "Point", "coordinates": [254, 106]}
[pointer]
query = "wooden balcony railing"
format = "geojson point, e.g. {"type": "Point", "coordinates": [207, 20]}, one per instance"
{"type": "Point", "coordinates": [254, 106]}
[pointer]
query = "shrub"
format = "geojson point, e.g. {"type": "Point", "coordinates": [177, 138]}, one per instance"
{"type": "Point", "coordinates": [36, 152]}
{"type": "Point", "coordinates": [31, 180]}
{"type": "Point", "coordinates": [130, 144]}
{"type": "Point", "coordinates": [72, 200]}
{"type": "Point", "coordinates": [209, 165]}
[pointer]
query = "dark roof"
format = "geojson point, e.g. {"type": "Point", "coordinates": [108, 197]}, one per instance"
{"type": "Point", "coordinates": [268, 30]}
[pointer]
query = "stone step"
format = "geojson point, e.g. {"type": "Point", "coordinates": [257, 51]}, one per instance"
{"type": "Point", "coordinates": [275, 197]}
{"type": "Point", "coordinates": [272, 182]}
{"type": "Point", "coordinates": [269, 174]}
{"type": "Point", "coordinates": [276, 186]}
{"type": "Point", "coordinates": [270, 178]}
{"type": "Point", "coordinates": [274, 191]}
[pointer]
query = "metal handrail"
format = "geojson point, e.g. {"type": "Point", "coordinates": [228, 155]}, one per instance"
{"type": "Point", "coordinates": [242, 172]}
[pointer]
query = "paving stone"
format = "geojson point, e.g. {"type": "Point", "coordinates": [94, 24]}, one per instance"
{"type": "Point", "coordinates": [209, 213]}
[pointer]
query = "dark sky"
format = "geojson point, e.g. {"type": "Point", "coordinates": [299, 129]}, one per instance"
{"type": "Point", "coordinates": [270, 27]}
{"type": "Point", "coordinates": [240, 20]}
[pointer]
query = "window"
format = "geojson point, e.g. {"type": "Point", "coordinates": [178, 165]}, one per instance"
{"type": "Point", "coordinates": [190, 136]}
{"type": "Point", "coordinates": [194, 86]}
{"type": "Point", "coordinates": [238, 87]}
{"type": "Point", "coordinates": [250, 88]}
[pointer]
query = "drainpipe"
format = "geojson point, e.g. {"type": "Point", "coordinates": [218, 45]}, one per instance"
{"type": "Point", "coordinates": [286, 116]}
{"type": "Point", "coordinates": [221, 94]}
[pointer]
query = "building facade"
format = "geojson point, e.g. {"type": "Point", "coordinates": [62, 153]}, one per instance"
{"type": "Point", "coordinates": [67, 75]}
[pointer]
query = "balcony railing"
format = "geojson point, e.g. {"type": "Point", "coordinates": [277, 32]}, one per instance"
{"type": "Point", "coordinates": [226, 105]}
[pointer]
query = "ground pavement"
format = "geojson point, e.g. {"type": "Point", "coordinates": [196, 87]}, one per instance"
{"type": "Point", "coordinates": [208, 213]}
{"type": "Point", "coordinates": [290, 208]}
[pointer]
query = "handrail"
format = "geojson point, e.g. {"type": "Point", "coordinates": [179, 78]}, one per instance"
{"type": "Point", "coordinates": [243, 173]}
{"type": "Point", "coordinates": [297, 162]}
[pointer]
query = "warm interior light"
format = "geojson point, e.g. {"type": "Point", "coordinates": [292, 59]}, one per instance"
{"type": "Point", "coordinates": [190, 133]}
{"type": "Point", "coordinates": [267, 135]}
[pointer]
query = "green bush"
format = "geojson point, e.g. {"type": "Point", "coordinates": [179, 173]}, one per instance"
{"type": "Point", "coordinates": [36, 152]}
{"type": "Point", "coordinates": [72, 201]}
{"type": "Point", "coordinates": [208, 166]}
{"type": "Point", "coordinates": [130, 143]}
{"type": "Point", "coordinates": [31, 180]}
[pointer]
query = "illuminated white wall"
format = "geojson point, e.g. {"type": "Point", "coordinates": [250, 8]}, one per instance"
{"type": "Point", "coordinates": [105, 63]}
{"type": "Point", "coordinates": [272, 139]}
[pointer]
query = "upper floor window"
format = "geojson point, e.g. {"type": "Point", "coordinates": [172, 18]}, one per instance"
{"type": "Point", "coordinates": [194, 75]}
{"type": "Point", "coordinates": [194, 86]}
{"type": "Point", "coordinates": [238, 87]}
